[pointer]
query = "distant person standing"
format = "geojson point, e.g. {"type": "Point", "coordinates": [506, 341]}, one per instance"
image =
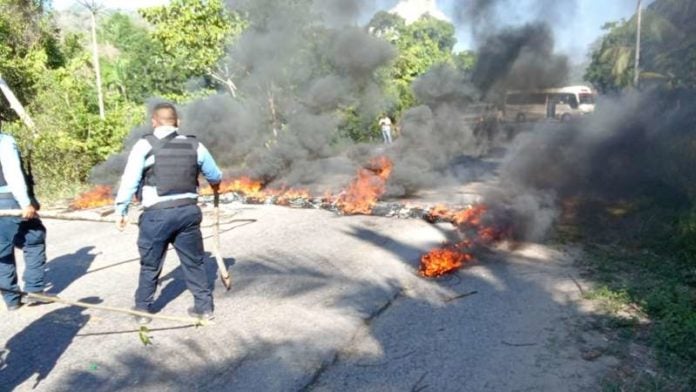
{"type": "Point", "coordinates": [165, 165]}
{"type": "Point", "coordinates": [27, 232]}
{"type": "Point", "coordinates": [385, 125]}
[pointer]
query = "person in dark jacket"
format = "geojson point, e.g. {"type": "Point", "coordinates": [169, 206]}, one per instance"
{"type": "Point", "coordinates": [27, 232]}
{"type": "Point", "coordinates": [164, 168]}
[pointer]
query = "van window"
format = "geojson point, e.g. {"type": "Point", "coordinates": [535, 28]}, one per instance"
{"type": "Point", "coordinates": [586, 98]}
{"type": "Point", "coordinates": [572, 101]}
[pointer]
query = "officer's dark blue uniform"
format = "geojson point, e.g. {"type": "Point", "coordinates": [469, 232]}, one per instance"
{"type": "Point", "coordinates": [165, 166]}
{"type": "Point", "coordinates": [29, 235]}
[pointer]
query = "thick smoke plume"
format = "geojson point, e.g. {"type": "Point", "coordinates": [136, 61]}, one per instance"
{"type": "Point", "coordinates": [520, 58]}
{"type": "Point", "coordinates": [483, 17]}
{"type": "Point", "coordinates": [448, 126]}
{"type": "Point", "coordinates": [435, 132]}
{"type": "Point", "coordinates": [635, 146]}
{"type": "Point", "coordinates": [282, 124]}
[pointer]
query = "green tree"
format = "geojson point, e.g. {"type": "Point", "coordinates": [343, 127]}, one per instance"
{"type": "Point", "coordinates": [422, 44]}
{"type": "Point", "coordinates": [54, 80]}
{"type": "Point", "coordinates": [140, 68]}
{"type": "Point", "coordinates": [193, 35]}
{"type": "Point", "coordinates": [465, 60]}
{"type": "Point", "coordinates": [668, 48]}
{"type": "Point", "coordinates": [72, 138]}
{"type": "Point", "coordinates": [28, 46]}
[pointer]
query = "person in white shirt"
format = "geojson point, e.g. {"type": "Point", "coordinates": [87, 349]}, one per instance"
{"type": "Point", "coordinates": [385, 125]}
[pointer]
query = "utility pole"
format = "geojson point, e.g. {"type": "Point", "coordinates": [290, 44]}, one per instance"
{"type": "Point", "coordinates": [636, 68]}
{"type": "Point", "coordinates": [93, 7]}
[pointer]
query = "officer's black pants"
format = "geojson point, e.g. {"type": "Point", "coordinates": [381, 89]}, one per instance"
{"type": "Point", "coordinates": [180, 226]}
{"type": "Point", "coordinates": [30, 236]}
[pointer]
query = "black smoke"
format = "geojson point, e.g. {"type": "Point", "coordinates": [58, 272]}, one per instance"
{"type": "Point", "coordinates": [519, 58]}
{"type": "Point", "coordinates": [294, 74]}
{"type": "Point", "coordinates": [460, 111]}
{"type": "Point", "coordinates": [435, 132]}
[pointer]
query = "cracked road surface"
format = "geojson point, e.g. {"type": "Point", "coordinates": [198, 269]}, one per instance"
{"type": "Point", "coordinates": [319, 303]}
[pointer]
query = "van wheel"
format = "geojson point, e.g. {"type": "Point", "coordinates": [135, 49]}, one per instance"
{"type": "Point", "coordinates": [521, 117]}
{"type": "Point", "coordinates": [565, 117]}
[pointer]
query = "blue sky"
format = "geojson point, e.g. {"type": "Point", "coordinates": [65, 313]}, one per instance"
{"type": "Point", "coordinates": [575, 29]}
{"type": "Point", "coordinates": [576, 25]}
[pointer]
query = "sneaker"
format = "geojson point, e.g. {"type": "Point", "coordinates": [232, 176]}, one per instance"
{"type": "Point", "coordinates": [206, 316]}
{"type": "Point", "coordinates": [32, 301]}
{"type": "Point", "coordinates": [13, 307]}
{"type": "Point", "coordinates": [140, 319]}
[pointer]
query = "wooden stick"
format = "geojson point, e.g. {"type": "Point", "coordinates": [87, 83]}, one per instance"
{"type": "Point", "coordinates": [58, 216]}
{"type": "Point", "coordinates": [224, 274]}
{"type": "Point", "coordinates": [78, 217]}
{"type": "Point", "coordinates": [17, 106]}
{"type": "Point", "coordinates": [47, 298]}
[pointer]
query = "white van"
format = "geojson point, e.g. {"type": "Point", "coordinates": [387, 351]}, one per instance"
{"type": "Point", "coordinates": [562, 104]}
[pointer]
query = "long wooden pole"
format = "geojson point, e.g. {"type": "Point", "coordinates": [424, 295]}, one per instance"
{"type": "Point", "coordinates": [79, 218]}
{"type": "Point", "coordinates": [58, 216]}
{"type": "Point", "coordinates": [48, 298]}
{"type": "Point", "coordinates": [16, 105]}
{"type": "Point", "coordinates": [224, 274]}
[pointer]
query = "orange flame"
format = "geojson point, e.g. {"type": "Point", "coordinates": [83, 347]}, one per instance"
{"type": "Point", "coordinates": [441, 261]}
{"type": "Point", "coordinates": [444, 260]}
{"type": "Point", "coordinates": [470, 216]}
{"type": "Point", "coordinates": [365, 190]}
{"type": "Point", "coordinates": [243, 185]}
{"type": "Point", "coordinates": [99, 196]}
{"type": "Point", "coordinates": [359, 198]}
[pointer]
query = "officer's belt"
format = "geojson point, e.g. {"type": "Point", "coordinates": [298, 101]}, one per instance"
{"type": "Point", "coordinates": [172, 204]}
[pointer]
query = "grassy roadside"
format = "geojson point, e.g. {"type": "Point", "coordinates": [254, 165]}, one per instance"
{"type": "Point", "coordinates": [650, 301]}
{"type": "Point", "coordinates": [646, 291]}
{"type": "Point", "coordinates": [57, 195]}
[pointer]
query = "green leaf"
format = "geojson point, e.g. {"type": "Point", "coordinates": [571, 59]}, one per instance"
{"type": "Point", "coordinates": [144, 336]}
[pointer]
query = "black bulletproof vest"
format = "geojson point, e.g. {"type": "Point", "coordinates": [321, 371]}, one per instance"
{"type": "Point", "coordinates": [175, 170]}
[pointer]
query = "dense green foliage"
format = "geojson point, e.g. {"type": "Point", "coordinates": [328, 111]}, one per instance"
{"type": "Point", "coordinates": [28, 47]}
{"type": "Point", "coordinates": [54, 77]}
{"type": "Point", "coordinates": [191, 37]}
{"type": "Point", "coordinates": [668, 49]}
{"type": "Point", "coordinates": [421, 45]}
{"type": "Point", "coordinates": [633, 285]}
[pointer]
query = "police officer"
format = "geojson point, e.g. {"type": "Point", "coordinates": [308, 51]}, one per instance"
{"type": "Point", "coordinates": [165, 166]}
{"type": "Point", "coordinates": [27, 232]}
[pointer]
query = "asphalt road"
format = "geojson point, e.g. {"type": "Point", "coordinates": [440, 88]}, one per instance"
{"type": "Point", "coordinates": [319, 302]}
